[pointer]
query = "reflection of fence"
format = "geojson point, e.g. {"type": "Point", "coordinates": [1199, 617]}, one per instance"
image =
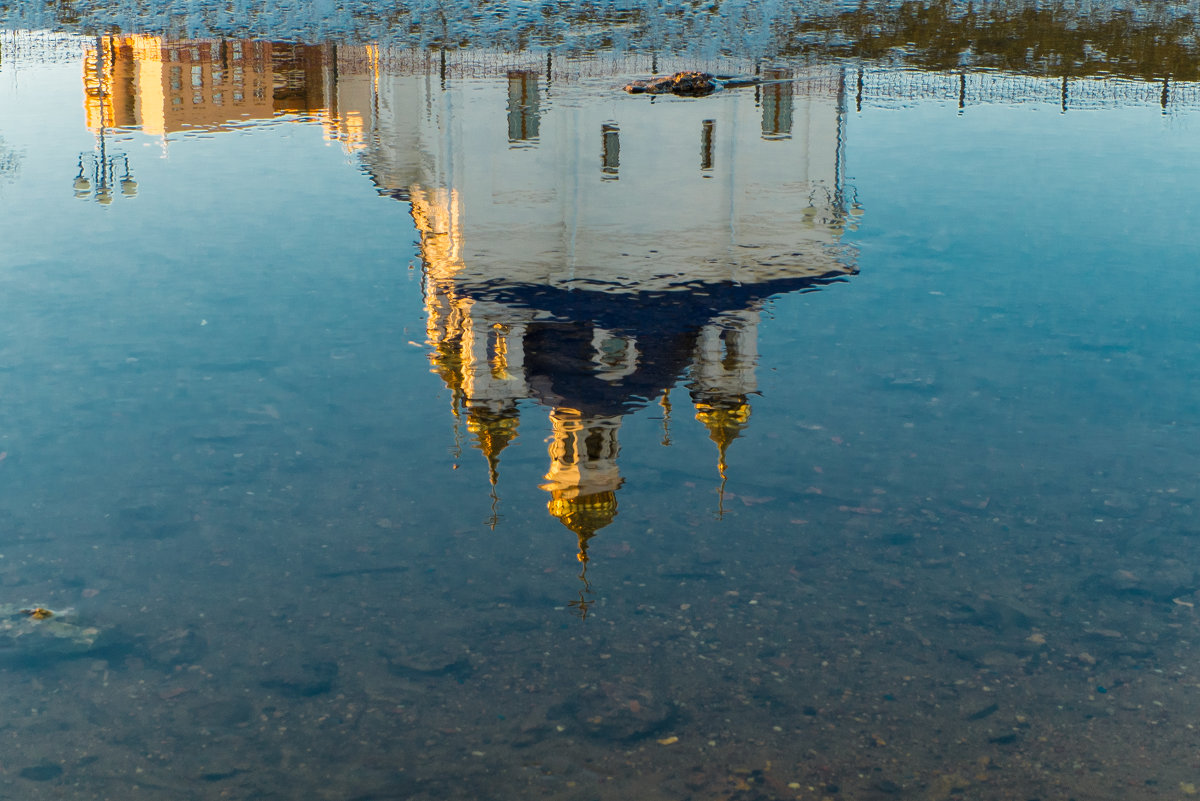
{"type": "Point", "coordinates": [452, 64]}
{"type": "Point", "coordinates": [863, 87]}
{"type": "Point", "coordinates": [875, 87]}
{"type": "Point", "coordinates": [42, 47]}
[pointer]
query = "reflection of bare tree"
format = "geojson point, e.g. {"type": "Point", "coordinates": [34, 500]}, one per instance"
{"type": "Point", "coordinates": [10, 161]}
{"type": "Point", "coordinates": [1152, 41]}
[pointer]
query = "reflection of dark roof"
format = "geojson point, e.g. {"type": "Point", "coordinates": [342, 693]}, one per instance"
{"type": "Point", "coordinates": [559, 353]}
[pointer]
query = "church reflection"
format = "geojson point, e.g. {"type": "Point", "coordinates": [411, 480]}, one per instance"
{"type": "Point", "coordinates": [592, 295]}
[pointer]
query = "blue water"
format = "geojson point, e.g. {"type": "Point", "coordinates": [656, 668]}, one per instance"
{"type": "Point", "coordinates": [946, 550]}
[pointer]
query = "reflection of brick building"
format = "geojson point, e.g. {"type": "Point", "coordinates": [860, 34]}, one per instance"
{"type": "Point", "coordinates": [162, 87]}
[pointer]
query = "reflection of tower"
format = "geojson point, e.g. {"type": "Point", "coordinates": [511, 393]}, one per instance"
{"type": "Point", "coordinates": [723, 379]}
{"type": "Point", "coordinates": [590, 295]}
{"type": "Point", "coordinates": [777, 104]}
{"type": "Point", "coordinates": [478, 351]}
{"type": "Point", "coordinates": [583, 478]}
{"type": "Point", "coordinates": [524, 114]}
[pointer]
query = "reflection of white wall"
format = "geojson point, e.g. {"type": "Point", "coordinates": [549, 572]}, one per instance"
{"type": "Point", "coordinates": [544, 211]}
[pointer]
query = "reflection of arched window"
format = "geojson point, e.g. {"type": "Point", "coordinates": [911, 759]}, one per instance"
{"type": "Point", "coordinates": [615, 356]}
{"type": "Point", "coordinates": [524, 114]}
{"type": "Point", "coordinates": [730, 355]}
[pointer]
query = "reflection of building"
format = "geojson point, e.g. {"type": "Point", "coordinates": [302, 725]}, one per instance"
{"type": "Point", "coordinates": [165, 86]}
{"type": "Point", "coordinates": [591, 252]}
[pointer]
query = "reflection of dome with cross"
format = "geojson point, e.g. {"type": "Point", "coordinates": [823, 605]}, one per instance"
{"type": "Point", "coordinates": [593, 289]}
{"type": "Point", "coordinates": [583, 476]}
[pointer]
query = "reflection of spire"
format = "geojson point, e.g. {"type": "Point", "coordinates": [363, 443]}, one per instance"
{"type": "Point", "coordinates": [725, 420]}
{"type": "Point", "coordinates": [493, 428]}
{"type": "Point", "coordinates": [722, 379]}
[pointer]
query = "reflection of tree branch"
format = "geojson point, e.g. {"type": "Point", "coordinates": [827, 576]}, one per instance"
{"type": "Point", "coordinates": [10, 162]}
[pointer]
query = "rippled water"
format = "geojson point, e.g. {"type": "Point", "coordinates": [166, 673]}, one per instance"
{"type": "Point", "coordinates": [385, 419]}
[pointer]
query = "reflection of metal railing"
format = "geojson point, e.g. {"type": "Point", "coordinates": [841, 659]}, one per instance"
{"type": "Point", "coordinates": [42, 47]}
{"type": "Point", "coordinates": [886, 87]}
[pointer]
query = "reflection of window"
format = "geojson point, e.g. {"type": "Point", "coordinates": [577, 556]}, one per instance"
{"type": "Point", "coordinates": [218, 77]}
{"type": "Point", "coordinates": [237, 97]}
{"type": "Point", "coordinates": [730, 356]}
{"type": "Point", "coordinates": [777, 103]}
{"type": "Point", "coordinates": [707, 136]}
{"type": "Point", "coordinates": [610, 152]}
{"type": "Point", "coordinates": [524, 113]}
{"type": "Point", "coordinates": [197, 99]}
{"type": "Point", "coordinates": [615, 356]}
{"type": "Point", "coordinates": [176, 79]}
{"type": "Point", "coordinates": [218, 98]}
{"type": "Point", "coordinates": [197, 75]}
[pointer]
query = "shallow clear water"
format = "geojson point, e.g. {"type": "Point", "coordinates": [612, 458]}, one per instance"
{"type": "Point", "coordinates": [389, 422]}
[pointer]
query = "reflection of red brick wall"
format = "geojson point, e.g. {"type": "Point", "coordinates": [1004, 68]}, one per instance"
{"type": "Point", "coordinates": [207, 83]}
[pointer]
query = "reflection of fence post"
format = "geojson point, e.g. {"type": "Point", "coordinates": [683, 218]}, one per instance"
{"type": "Point", "coordinates": [707, 135]}
{"type": "Point", "coordinates": [962, 90]}
{"type": "Point", "coordinates": [777, 104]}
{"type": "Point", "coordinates": [1166, 96]}
{"type": "Point", "coordinates": [1064, 94]}
{"type": "Point", "coordinates": [610, 151]}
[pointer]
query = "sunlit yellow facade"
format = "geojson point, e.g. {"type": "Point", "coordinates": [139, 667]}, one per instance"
{"type": "Point", "coordinates": [165, 86]}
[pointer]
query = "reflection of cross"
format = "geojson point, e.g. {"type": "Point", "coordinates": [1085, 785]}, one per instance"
{"type": "Point", "coordinates": [98, 170]}
{"type": "Point", "coordinates": [582, 606]}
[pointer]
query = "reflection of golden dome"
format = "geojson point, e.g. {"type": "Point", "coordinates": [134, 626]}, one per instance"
{"type": "Point", "coordinates": [493, 431]}
{"type": "Point", "coordinates": [725, 420]}
{"type": "Point", "coordinates": [583, 514]}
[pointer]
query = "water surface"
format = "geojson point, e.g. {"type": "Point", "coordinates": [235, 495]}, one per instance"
{"type": "Point", "coordinates": [387, 419]}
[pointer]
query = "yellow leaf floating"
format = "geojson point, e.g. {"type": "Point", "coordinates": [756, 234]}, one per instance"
{"type": "Point", "coordinates": [668, 740]}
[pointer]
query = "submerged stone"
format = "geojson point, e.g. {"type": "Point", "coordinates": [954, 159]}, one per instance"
{"type": "Point", "coordinates": [35, 632]}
